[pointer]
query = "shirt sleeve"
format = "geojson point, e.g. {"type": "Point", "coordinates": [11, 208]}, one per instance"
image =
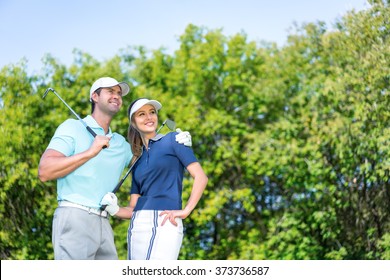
{"type": "Point", "coordinates": [134, 187]}
{"type": "Point", "coordinates": [184, 153]}
{"type": "Point", "coordinates": [63, 140]}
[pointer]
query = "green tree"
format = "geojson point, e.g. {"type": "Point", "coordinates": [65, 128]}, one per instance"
{"type": "Point", "coordinates": [294, 139]}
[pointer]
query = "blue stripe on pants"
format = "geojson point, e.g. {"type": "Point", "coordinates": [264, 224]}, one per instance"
{"type": "Point", "coordinates": [148, 240]}
{"type": "Point", "coordinates": [154, 229]}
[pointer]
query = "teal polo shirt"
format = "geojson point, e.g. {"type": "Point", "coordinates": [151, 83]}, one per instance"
{"type": "Point", "coordinates": [90, 182]}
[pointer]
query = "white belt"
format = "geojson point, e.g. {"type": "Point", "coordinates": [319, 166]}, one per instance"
{"type": "Point", "coordinates": [64, 203]}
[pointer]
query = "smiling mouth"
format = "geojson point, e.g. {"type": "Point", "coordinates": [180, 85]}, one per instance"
{"type": "Point", "coordinates": [114, 103]}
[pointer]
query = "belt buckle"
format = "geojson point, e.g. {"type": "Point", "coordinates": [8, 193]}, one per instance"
{"type": "Point", "coordinates": [103, 213]}
{"type": "Point", "coordinates": [100, 213]}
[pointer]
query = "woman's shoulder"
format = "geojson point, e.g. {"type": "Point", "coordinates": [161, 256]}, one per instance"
{"type": "Point", "coordinates": [167, 136]}
{"type": "Point", "coordinates": [166, 139]}
{"type": "Point", "coordinates": [171, 135]}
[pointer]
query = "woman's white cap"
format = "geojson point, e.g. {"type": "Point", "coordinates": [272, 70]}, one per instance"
{"type": "Point", "coordinates": [142, 102]}
{"type": "Point", "coordinates": [108, 82]}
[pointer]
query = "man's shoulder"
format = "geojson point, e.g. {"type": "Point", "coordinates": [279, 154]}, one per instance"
{"type": "Point", "coordinates": [70, 121]}
{"type": "Point", "coordinates": [69, 124]}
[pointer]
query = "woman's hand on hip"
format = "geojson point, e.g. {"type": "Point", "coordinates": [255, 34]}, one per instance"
{"type": "Point", "coordinates": [171, 215]}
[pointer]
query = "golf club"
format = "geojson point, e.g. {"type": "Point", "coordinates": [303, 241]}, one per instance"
{"type": "Point", "coordinates": [170, 124]}
{"type": "Point", "coordinates": [74, 113]}
{"type": "Point", "coordinates": [103, 207]}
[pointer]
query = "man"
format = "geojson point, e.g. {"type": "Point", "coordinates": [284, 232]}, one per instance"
{"type": "Point", "coordinates": [86, 168]}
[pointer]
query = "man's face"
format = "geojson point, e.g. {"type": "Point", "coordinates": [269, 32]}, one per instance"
{"type": "Point", "coordinates": [109, 100]}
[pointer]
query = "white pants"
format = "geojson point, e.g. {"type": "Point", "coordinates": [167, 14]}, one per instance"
{"type": "Point", "coordinates": [148, 240]}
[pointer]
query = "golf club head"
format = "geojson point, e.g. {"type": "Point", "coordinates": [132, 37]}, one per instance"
{"type": "Point", "coordinates": [170, 124]}
{"type": "Point", "coordinates": [46, 92]}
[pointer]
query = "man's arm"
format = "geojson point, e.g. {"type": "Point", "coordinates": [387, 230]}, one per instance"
{"type": "Point", "coordinates": [54, 165]}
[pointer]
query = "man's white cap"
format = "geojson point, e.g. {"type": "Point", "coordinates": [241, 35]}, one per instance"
{"type": "Point", "coordinates": [108, 82]}
{"type": "Point", "coordinates": [142, 102]}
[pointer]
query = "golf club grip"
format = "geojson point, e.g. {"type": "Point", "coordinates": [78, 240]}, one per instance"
{"type": "Point", "coordinates": [91, 131]}
{"type": "Point", "coordinates": [119, 185]}
{"type": "Point", "coordinates": [93, 134]}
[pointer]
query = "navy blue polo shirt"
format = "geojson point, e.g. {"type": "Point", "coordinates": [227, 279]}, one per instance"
{"type": "Point", "coordinates": [158, 173]}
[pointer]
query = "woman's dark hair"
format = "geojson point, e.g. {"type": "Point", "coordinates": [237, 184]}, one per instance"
{"type": "Point", "coordinates": [133, 136]}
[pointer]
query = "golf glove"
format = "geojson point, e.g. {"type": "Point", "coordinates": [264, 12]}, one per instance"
{"type": "Point", "coordinates": [111, 201]}
{"type": "Point", "coordinates": [184, 137]}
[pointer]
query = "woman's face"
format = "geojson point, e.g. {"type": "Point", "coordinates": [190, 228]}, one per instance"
{"type": "Point", "coordinates": [146, 119]}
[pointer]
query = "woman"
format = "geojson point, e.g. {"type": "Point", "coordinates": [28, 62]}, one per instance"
{"type": "Point", "coordinates": [156, 228]}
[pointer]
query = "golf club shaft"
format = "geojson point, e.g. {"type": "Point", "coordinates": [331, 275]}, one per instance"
{"type": "Point", "coordinates": [158, 130]}
{"type": "Point", "coordinates": [93, 133]}
{"type": "Point", "coordinates": [116, 189]}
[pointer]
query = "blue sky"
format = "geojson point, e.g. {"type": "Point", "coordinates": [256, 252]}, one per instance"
{"type": "Point", "coordinates": [32, 28]}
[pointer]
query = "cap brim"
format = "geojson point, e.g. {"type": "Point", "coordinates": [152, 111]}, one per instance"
{"type": "Point", "coordinates": [125, 88]}
{"type": "Point", "coordinates": [142, 102]}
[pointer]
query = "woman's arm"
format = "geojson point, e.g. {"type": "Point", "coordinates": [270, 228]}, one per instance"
{"type": "Point", "coordinates": [200, 182]}
{"type": "Point", "coordinates": [127, 212]}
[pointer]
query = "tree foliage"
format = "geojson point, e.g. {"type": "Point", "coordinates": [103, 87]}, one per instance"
{"type": "Point", "coordinates": [294, 139]}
